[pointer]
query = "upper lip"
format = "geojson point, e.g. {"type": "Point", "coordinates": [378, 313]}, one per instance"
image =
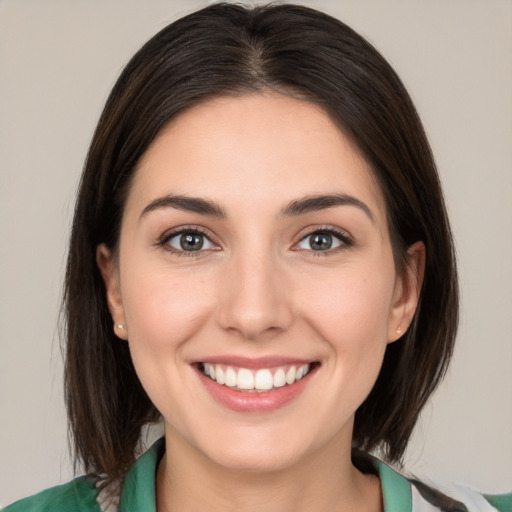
{"type": "Point", "coordinates": [254, 363]}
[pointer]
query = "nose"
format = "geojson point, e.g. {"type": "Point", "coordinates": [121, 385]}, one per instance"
{"type": "Point", "coordinates": [254, 300]}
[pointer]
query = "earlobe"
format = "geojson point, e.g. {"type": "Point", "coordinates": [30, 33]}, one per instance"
{"type": "Point", "coordinates": [110, 274]}
{"type": "Point", "coordinates": [407, 292]}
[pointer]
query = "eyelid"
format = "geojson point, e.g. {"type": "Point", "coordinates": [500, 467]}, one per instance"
{"type": "Point", "coordinates": [342, 235]}
{"type": "Point", "coordinates": [163, 240]}
{"type": "Point", "coordinates": [172, 241]}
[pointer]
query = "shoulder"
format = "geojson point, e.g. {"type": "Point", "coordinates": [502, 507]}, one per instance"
{"type": "Point", "coordinates": [92, 493]}
{"type": "Point", "coordinates": [456, 498]}
{"type": "Point", "coordinates": [405, 494]}
{"type": "Point", "coordinates": [502, 502]}
{"type": "Point", "coordinates": [79, 495]}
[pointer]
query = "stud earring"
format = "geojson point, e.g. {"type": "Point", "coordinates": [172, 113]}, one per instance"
{"type": "Point", "coordinates": [120, 331]}
{"type": "Point", "coordinates": [399, 330]}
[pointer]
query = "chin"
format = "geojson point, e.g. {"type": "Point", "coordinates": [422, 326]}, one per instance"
{"type": "Point", "coordinates": [259, 460]}
{"type": "Point", "coordinates": [266, 448]}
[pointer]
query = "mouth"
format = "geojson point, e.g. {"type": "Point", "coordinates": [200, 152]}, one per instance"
{"type": "Point", "coordinates": [256, 380]}
{"type": "Point", "coordinates": [255, 385]}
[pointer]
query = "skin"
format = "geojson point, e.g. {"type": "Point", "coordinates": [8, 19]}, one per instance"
{"type": "Point", "coordinates": [258, 289]}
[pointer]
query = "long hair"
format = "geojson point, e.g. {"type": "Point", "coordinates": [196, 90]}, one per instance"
{"type": "Point", "coordinates": [232, 50]}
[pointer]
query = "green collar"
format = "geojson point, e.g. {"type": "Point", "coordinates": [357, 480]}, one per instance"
{"type": "Point", "coordinates": [139, 487]}
{"type": "Point", "coordinates": [396, 489]}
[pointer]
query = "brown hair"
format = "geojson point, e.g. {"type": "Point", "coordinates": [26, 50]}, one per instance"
{"type": "Point", "coordinates": [227, 50]}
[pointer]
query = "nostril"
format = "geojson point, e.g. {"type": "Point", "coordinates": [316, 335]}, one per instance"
{"type": "Point", "coordinates": [253, 304]}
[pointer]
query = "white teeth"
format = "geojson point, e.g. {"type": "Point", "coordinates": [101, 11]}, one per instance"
{"type": "Point", "coordinates": [208, 370]}
{"type": "Point", "coordinates": [302, 371]}
{"type": "Point", "coordinates": [245, 379]}
{"type": "Point", "coordinates": [279, 378]}
{"type": "Point", "coordinates": [219, 375]}
{"type": "Point", "coordinates": [290, 375]}
{"type": "Point", "coordinates": [230, 378]}
{"type": "Point", "coordinates": [262, 380]}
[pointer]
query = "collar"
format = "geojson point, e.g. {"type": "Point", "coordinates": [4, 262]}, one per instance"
{"type": "Point", "coordinates": [139, 486]}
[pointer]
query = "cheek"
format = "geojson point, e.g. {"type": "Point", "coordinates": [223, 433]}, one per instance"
{"type": "Point", "coordinates": [165, 306]}
{"type": "Point", "coordinates": [164, 310]}
{"type": "Point", "coordinates": [349, 312]}
{"type": "Point", "coordinates": [351, 307]}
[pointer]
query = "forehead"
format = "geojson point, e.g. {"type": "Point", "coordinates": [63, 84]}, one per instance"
{"type": "Point", "coordinates": [254, 151]}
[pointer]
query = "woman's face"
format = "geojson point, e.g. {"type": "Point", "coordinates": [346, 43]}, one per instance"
{"type": "Point", "coordinates": [254, 248]}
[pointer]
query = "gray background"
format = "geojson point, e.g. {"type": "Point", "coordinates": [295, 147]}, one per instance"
{"type": "Point", "coordinates": [58, 60]}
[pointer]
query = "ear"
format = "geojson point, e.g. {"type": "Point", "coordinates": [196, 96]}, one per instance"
{"type": "Point", "coordinates": [407, 292]}
{"type": "Point", "coordinates": [109, 272]}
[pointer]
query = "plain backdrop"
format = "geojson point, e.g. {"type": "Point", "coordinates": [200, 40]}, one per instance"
{"type": "Point", "coordinates": [58, 60]}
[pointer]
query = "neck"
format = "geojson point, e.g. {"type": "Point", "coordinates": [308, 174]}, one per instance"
{"type": "Point", "coordinates": [325, 481]}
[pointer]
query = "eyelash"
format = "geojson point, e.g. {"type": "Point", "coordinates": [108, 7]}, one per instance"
{"type": "Point", "coordinates": [342, 236]}
{"type": "Point", "coordinates": [163, 241]}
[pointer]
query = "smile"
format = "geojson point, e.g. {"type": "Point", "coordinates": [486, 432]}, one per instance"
{"type": "Point", "coordinates": [258, 381]}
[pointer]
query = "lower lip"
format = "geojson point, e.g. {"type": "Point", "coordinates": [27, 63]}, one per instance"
{"type": "Point", "coordinates": [243, 401]}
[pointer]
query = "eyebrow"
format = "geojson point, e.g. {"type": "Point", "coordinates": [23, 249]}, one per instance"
{"type": "Point", "coordinates": [294, 208]}
{"type": "Point", "coordinates": [187, 204]}
{"type": "Point", "coordinates": [323, 202]}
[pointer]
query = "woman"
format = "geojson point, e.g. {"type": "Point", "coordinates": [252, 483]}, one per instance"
{"type": "Point", "coordinates": [252, 261]}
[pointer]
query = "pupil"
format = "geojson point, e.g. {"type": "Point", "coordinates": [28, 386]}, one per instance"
{"type": "Point", "coordinates": [191, 242]}
{"type": "Point", "coordinates": [321, 242]}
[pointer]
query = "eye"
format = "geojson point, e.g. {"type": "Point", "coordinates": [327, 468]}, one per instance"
{"type": "Point", "coordinates": [189, 241]}
{"type": "Point", "coordinates": [324, 240]}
